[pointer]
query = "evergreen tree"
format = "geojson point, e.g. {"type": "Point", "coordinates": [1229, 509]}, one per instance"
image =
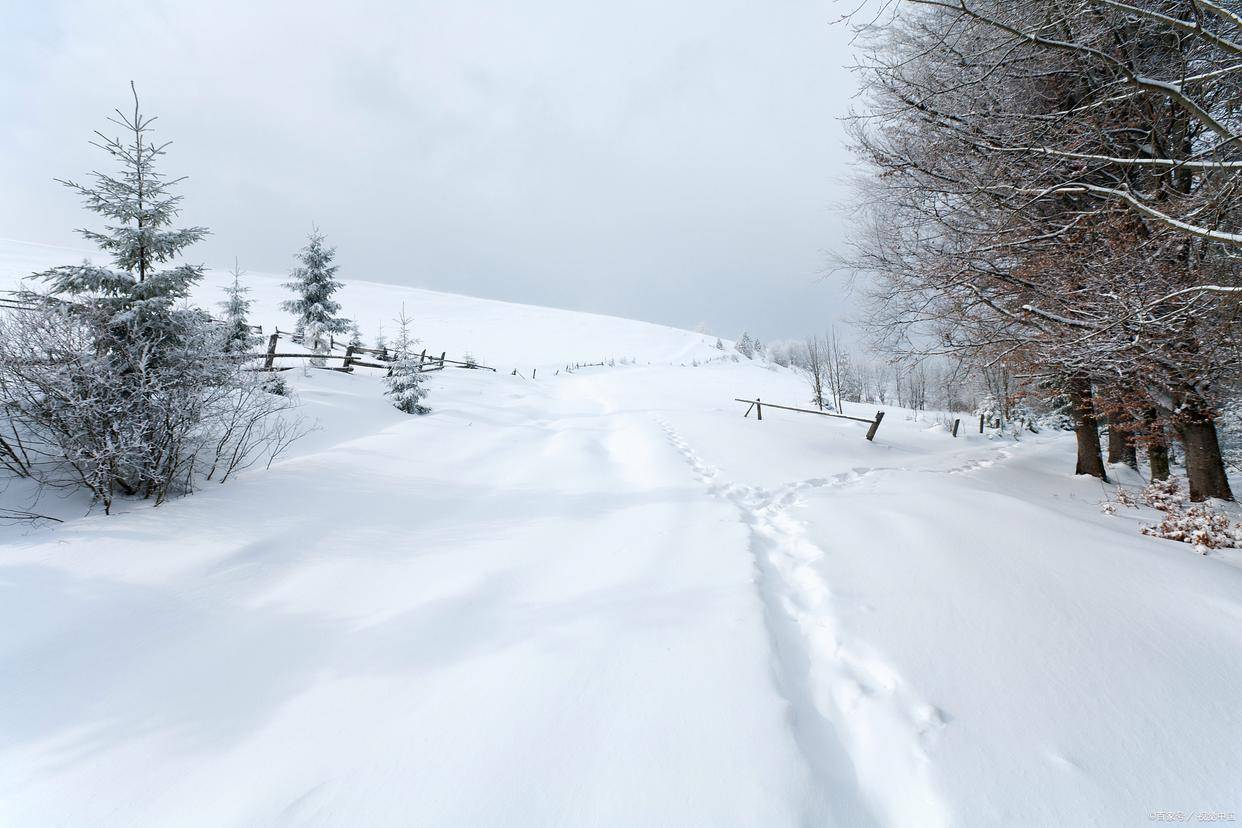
{"type": "Point", "coordinates": [355, 334]}
{"type": "Point", "coordinates": [238, 338]}
{"type": "Point", "coordinates": [381, 341]}
{"type": "Point", "coordinates": [405, 379]}
{"type": "Point", "coordinates": [313, 281]}
{"type": "Point", "coordinates": [132, 395]}
{"type": "Point", "coordinates": [719, 344]}
{"type": "Point", "coordinates": [745, 346]}
{"type": "Point", "coordinates": [132, 301]}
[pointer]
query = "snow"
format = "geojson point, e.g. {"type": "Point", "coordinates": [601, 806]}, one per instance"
{"type": "Point", "coordinates": [606, 598]}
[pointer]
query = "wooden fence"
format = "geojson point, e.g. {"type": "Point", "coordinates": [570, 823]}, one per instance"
{"type": "Point", "coordinates": [757, 405]}
{"type": "Point", "coordinates": [352, 357]}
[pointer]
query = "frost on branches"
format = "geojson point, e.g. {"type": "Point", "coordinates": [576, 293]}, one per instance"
{"type": "Point", "coordinates": [313, 281]}
{"type": "Point", "coordinates": [109, 382]}
{"type": "Point", "coordinates": [405, 382]}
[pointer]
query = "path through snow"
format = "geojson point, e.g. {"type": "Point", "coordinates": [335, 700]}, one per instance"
{"type": "Point", "coordinates": [608, 599]}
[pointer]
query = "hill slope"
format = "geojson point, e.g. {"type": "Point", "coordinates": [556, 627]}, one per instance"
{"type": "Point", "coordinates": [503, 334]}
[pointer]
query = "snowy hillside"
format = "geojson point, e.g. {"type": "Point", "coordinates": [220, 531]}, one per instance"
{"type": "Point", "coordinates": [503, 334]}
{"type": "Point", "coordinates": [606, 598]}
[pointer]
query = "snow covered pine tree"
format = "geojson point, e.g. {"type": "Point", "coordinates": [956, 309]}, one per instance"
{"type": "Point", "coordinates": [238, 338]}
{"type": "Point", "coordinates": [314, 283]}
{"type": "Point", "coordinates": [405, 379]}
{"type": "Point", "coordinates": [107, 382]}
{"type": "Point", "coordinates": [746, 346]}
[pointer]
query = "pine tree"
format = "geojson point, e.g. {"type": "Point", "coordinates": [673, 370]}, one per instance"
{"type": "Point", "coordinates": [133, 397]}
{"type": "Point", "coordinates": [355, 334]}
{"type": "Point", "coordinates": [719, 344]}
{"type": "Point", "coordinates": [745, 346]}
{"type": "Point", "coordinates": [405, 379]}
{"type": "Point", "coordinates": [381, 341]}
{"type": "Point", "coordinates": [238, 338]}
{"type": "Point", "coordinates": [314, 284]}
{"type": "Point", "coordinates": [133, 301]}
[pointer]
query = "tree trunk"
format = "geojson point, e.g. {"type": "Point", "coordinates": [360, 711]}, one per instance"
{"type": "Point", "coordinates": [1116, 441]}
{"type": "Point", "coordinates": [1087, 429]}
{"type": "Point", "coordinates": [1204, 465]}
{"type": "Point", "coordinates": [1157, 446]}
{"type": "Point", "coordinates": [1121, 443]}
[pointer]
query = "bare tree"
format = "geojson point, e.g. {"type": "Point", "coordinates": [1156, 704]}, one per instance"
{"type": "Point", "coordinates": [816, 369]}
{"type": "Point", "coordinates": [1058, 188]}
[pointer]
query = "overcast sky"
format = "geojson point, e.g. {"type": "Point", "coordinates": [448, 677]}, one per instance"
{"type": "Point", "coordinates": [679, 161]}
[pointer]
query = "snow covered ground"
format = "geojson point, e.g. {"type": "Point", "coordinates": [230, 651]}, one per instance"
{"type": "Point", "coordinates": [605, 598]}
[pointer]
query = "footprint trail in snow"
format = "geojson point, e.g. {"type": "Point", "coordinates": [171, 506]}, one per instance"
{"type": "Point", "coordinates": [863, 732]}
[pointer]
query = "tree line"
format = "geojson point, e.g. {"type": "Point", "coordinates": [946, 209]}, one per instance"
{"type": "Point", "coordinates": [1052, 188]}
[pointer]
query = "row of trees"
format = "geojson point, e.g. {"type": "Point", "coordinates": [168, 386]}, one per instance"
{"type": "Point", "coordinates": [1054, 191]}
{"type": "Point", "coordinates": [836, 376]}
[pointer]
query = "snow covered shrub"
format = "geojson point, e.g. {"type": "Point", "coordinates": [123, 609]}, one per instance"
{"type": "Point", "coordinates": [992, 410]}
{"type": "Point", "coordinates": [1199, 525]}
{"type": "Point", "coordinates": [1165, 495]}
{"type": "Point", "coordinates": [746, 346]}
{"type": "Point", "coordinates": [1022, 416]}
{"type": "Point", "coordinates": [275, 384]}
{"type": "Point", "coordinates": [107, 383]}
{"type": "Point", "coordinates": [1196, 524]}
{"type": "Point", "coordinates": [1054, 421]}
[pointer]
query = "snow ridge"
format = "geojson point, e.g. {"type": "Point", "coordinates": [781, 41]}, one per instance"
{"type": "Point", "coordinates": [862, 730]}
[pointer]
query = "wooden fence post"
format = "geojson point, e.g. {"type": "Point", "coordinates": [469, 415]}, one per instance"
{"type": "Point", "coordinates": [981, 423]}
{"type": "Point", "coordinates": [533, 371]}
{"type": "Point", "coordinates": [758, 408]}
{"type": "Point", "coordinates": [349, 356]}
{"type": "Point", "coordinates": [271, 350]}
{"type": "Point", "coordinates": [442, 353]}
{"type": "Point", "coordinates": [879, 415]}
{"type": "Point", "coordinates": [956, 423]}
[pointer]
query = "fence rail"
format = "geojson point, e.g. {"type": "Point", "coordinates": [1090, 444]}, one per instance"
{"type": "Point", "coordinates": [757, 405]}
{"type": "Point", "coordinates": [387, 357]}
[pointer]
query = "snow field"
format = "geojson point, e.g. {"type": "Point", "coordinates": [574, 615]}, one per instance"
{"type": "Point", "coordinates": [605, 598]}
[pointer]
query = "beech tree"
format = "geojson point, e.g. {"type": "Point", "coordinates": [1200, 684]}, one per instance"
{"type": "Point", "coordinates": [1056, 188]}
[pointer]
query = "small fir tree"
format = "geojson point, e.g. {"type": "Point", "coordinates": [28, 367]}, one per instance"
{"type": "Point", "coordinates": [405, 379]}
{"type": "Point", "coordinates": [238, 338]}
{"type": "Point", "coordinates": [313, 283]}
